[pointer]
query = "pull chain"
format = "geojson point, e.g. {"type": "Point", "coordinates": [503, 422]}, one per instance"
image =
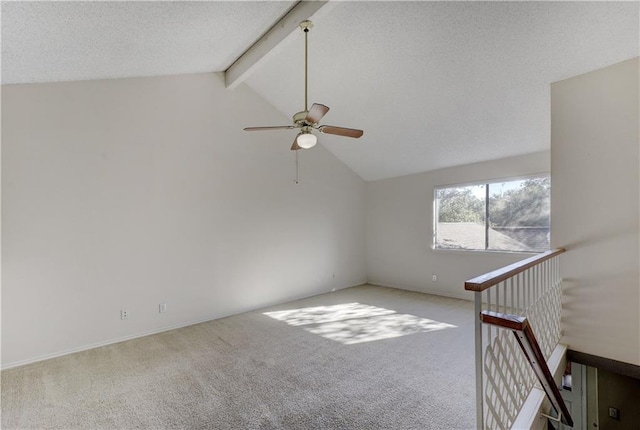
{"type": "Point", "coordinates": [297, 181]}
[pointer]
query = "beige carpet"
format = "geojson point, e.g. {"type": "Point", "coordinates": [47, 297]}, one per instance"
{"type": "Point", "coordinates": [362, 358]}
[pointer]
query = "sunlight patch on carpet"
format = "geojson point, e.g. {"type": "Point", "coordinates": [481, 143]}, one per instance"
{"type": "Point", "coordinates": [351, 323]}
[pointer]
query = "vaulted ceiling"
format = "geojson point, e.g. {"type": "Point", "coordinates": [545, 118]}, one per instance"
{"type": "Point", "coordinates": [433, 84]}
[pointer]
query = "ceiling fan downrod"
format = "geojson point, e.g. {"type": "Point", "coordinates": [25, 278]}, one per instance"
{"type": "Point", "coordinates": [306, 26]}
{"type": "Point", "coordinates": [308, 120]}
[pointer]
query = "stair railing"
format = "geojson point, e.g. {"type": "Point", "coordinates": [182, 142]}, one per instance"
{"type": "Point", "coordinates": [529, 294]}
{"type": "Point", "coordinates": [526, 338]}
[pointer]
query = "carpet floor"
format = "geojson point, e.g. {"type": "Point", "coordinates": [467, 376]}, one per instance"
{"type": "Point", "coordinates": [361, 358]}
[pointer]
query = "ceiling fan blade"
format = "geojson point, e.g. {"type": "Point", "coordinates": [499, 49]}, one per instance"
{"type": "Point", "coordinates": [295, 146]}
{"type": "Point", "coordinates": [316, 113]}
{"type": "Point", "coordinates": [277, 127]}
{"type": "Point", "coordinates": [341, 131]}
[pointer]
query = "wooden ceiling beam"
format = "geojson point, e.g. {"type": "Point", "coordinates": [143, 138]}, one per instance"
{"type": "Point", "coordinates": [286, 27]}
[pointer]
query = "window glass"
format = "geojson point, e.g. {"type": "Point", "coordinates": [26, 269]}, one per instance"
{"type": "Point", "coordinates": [461, 217]}
{"type": "Point", "coordinates": [516, 218]}
{"type": "Point", "coordinates": [519, 215]}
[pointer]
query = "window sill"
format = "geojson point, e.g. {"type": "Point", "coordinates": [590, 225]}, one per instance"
{"type": "Point", "coordinates": [483, 252]}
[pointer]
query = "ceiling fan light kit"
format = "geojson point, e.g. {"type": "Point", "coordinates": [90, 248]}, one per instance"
{"type": "Point", "coordinates": [308, 119]}
{"type": "Point", "coordinates": [306, 140]}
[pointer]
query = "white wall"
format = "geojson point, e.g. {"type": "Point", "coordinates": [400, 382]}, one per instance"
{"type": "Point", "coordinates": [400, 228]}
{"type": "Point", "coordinates": [595, 208]}
{"type": "Point", "coordinates": [134, 192]}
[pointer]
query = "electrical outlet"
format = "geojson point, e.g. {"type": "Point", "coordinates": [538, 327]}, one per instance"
{"type": "Point", "coordinates": [162, 308]}
{"type": "Point", "coordinates": [614, 413]}
{"type": "Point", "coordinates": [434, 278]}
{"type": "Point", "coordinates": [124, 314]}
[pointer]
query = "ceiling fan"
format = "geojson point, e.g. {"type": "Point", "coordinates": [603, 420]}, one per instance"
{"type": "Point", "coordinates": [308, 119]}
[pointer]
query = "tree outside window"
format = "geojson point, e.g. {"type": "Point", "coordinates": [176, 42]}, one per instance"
{"type": "Point", "coordinates": [515, 218]}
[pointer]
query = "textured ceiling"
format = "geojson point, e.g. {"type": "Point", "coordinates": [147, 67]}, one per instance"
{"type": "Point", "coordinates": [65, 41]}
{"type": "Point", "coordinates": [433, 84]}
{"type": "Point", "coordinates": [444, 83]}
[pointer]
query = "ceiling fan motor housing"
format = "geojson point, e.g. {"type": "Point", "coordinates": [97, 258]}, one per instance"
{"type": "Point", "coordinates": [299, 118]}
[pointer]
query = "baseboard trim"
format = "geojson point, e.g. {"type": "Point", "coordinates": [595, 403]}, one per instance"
{"type": "Point", "coordinates": [155, 331]}
{"type": "Point", "coordinates": [108, 342]}
{"type": "Point", "coordinates": [461, 296]}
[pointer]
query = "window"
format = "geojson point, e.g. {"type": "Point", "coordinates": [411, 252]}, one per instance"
{"type": "Point", "coordinates": [498, 216]}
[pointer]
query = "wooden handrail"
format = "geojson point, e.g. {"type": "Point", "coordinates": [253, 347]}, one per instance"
{"type": "Point", "coordinates": [482, 282]}
{"type": "Point", "coordinates": [529, 344]}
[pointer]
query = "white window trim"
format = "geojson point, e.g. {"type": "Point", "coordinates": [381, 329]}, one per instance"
{"type": "Point", "coordinates": [470, 184]}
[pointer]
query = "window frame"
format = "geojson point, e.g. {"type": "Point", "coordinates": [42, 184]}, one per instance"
{"type": "Point", "coordinates": [486, 183]}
